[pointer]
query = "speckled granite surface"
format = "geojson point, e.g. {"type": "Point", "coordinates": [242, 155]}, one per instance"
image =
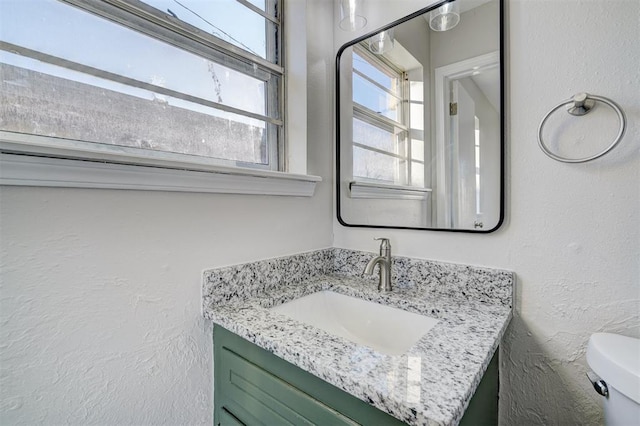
{"type": "Point", "coordinates": [431, 384]}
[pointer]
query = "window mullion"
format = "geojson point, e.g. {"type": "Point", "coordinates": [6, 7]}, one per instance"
{"type": "Point", "coordinates": [379, 151]}
{"type": "Point", "coordinates": [368, 116]}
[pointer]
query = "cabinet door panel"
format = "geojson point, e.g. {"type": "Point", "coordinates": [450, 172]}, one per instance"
{"type": "Point", "coordinates": [271, 399]}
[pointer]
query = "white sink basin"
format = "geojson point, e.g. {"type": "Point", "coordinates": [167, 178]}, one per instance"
{"type": "Point", "coordinates": [388, 330]}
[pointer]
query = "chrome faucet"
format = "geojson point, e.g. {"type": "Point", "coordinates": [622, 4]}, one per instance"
{"type": "Point", "coordinates": [384, 265]}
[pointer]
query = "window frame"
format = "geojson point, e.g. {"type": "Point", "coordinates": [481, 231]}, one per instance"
{"type": "Point", "coordinates": [47, 151]}
{"type": "Point", "coordinates": [364, 114]}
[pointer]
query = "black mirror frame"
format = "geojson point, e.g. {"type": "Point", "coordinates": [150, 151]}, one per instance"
{"type": "Point", "coordinates": [502, 122]}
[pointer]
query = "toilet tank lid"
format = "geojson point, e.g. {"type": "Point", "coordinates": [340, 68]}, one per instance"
{"type": "Point", "coordinates": [616, 359]}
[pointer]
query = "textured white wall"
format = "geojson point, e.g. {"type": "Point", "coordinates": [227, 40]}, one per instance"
{"type": "Point", "coordinates": [572, 233]}
{"type": "Point", "coordinates": [100, 319]}
{"type": "Point", "coordinates": [100, 297]}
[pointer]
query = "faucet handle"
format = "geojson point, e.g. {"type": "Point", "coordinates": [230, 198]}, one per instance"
{"type": "Point", "coordinates": [384, 243]}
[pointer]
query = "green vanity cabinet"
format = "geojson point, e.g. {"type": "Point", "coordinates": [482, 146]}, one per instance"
{"type": "Point", "coordinates": [255, 387]}
{"type": "Point", "coordinates": [483, 407]}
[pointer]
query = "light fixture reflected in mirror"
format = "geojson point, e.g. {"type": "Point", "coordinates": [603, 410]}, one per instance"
{"type": "Point", "coordinates": [381, 42]}
{"type": "Point", "coordinates": [351, 18]}
{"type": "Point", "coordinates": [445, 17]}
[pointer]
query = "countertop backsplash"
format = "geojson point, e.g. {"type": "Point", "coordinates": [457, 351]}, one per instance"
{"type": "Point", "coordinates": [243, 281]}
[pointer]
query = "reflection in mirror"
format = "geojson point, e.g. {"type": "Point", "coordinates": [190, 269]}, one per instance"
{"type": "Point", "coordinates": [420, 121]}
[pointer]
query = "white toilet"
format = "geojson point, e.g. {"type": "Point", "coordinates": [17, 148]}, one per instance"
{"type": "Point", "coordinates": [616, 360]}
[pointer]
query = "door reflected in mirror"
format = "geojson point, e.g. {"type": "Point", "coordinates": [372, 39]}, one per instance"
{"type": "Point", "coordinates": [419, 121]}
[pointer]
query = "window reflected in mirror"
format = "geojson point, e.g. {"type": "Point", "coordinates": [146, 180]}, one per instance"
{"type": "Point", "coordinates": [420, 132]}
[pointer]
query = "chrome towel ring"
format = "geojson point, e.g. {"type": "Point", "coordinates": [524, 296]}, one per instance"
{"type": "Point", "coordinates": [579, 105]}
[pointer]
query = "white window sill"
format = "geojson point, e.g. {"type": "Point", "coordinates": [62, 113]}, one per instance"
{"type": "Point", "coordinates": [387, 191]}
{"type": "Point", "coordinates": [30, 170]}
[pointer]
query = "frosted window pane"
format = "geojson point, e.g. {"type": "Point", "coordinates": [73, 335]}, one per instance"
{"type": "Point", "coordinates": [373, 165]}
{"type": "Point", "coordinates": [417, 174]}
{"type": "Point", "coordinates": [367, 134]}
{"type": "Point", "coordinates": [416, 91]}
{"type": "Point", "coordinates": [417, 149]}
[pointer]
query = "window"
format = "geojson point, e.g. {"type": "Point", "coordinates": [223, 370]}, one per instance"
{"type": "Point", "coordinates": [383, 150]}
{"type": "Point", "coordinates": [174, 80]}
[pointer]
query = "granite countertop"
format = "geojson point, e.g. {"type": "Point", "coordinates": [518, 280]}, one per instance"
{"type": "Point", "coordinates": [431, 384]}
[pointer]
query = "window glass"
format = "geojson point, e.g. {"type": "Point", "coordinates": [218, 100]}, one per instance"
{"type": "Point", "coordinates": [382, 149]}
{"type": "Point", "coordinates": [374, 98]}
{"type": "Point", "coordinates": [417, 174]}
{"type": "Point", "coordinates": [72, 34]}
{"type": "Point", "coordinates": [417, 149]}
{"type": "Point", "coordinates": [258, 3]}
{"type": "Point", "coordinates": [221, 18]}
{"type": "Point", "coordinates": [375, 74]}
{"type": "Point", "coordinates": [374, 165]}
{"type": "Point", "coordinates": [67, 73]}
{"type": "Point", "coordinates": [373, 136]}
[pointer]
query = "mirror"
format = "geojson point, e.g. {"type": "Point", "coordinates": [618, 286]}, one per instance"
{"type": "Point", "coordinates": [420, 121]}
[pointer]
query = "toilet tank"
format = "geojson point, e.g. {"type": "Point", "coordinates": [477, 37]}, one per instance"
{"type": "Point", "coordinates": [616, 359]}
